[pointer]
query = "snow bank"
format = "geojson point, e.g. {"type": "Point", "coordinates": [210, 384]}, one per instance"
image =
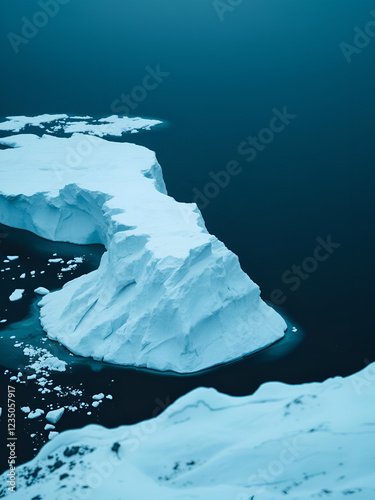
{"type": "Point", "coordinates": [300, 442]}
{"type": "Point", "coordinates": [167, 295]}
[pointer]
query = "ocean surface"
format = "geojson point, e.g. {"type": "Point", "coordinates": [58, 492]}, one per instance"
{"type": "Point", "coordinates": [221, 81]}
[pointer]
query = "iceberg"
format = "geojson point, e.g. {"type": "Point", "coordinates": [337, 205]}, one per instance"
{"type": "Point", "coordinates": [301, 442]}
{"type": "Point", "coordinates": [167, 294]}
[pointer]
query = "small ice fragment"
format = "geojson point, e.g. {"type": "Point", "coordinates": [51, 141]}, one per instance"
{"type": "Point", "coordinates": [17, 295]}
{"type": "Point", "coordinates": [41, 290]}
{"type": "Point", "coordinates": [35, 414]}
{"type": "Point", "coordinates": [55, 415]}
{"type": "Point", "coordinates": [98, 397]}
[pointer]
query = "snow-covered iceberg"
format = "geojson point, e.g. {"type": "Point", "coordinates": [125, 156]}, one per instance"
{"type": "Point", "coordinates": [301, 442]}
{"type": "Point", "coordinates": [167, 295]}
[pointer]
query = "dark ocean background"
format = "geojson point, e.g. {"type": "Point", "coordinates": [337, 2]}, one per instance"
{"type": "Point", "coordinates": [315, 179]}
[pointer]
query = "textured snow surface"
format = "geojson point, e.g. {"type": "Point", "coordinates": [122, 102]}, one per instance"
{"type": "Point", "coordinates": [167, 295]}
{"type": "Point", "coordinates": [112, 125]}
{"type": "Point", "coordinates": [300, 442]}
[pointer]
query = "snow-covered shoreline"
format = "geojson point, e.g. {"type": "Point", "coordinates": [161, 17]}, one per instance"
{"type": "Point", "coordinates": [285, 441]}
{"type": "Point", "coordinates": [167, 295]}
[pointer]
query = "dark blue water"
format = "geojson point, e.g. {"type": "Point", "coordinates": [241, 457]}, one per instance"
{"type": "Point", "coordinates": [314, 179]}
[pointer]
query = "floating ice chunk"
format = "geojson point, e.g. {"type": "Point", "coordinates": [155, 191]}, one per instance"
{"type": "Point", "coordinates": [55, 415]}
{"type": "Point", "coordinates": [49, 427]}
{"type": "Point", "coordinates": [48, 362]}
{"type": "Point", "coordinates": [23, 276]}
{"type": "Point", "coordinates": [17, 295]}
{"type": "Point", "coordinates": [41, 290]}
{"type": "Point", "coordinates": [17, 123]}
{"type": "Point", "coordinates": [12, 257]}
{"type": "Point", "coordinates": [98, 397]}
{"type": "Point", "coordinates": [52, 434]}
{"type": "Point", "coordinates": [35, 414]}
{"type": "Point", "coordinates": [26, 409]}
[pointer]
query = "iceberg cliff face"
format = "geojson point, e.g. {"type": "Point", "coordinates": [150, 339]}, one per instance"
{"type": "Point", "coordinates": [301, 442]}
{"type": "Point", "coordinates": [167, 295]}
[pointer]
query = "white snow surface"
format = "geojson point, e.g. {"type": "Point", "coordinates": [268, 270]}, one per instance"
{"type": "Point", "coordinates": [167, 295]}
{"type": "Point", "coordinates": [17, 123]}
{"type": "Point", "coordinates": [300, 442]}
{"type": "Point", "coordinates": [113, 125]}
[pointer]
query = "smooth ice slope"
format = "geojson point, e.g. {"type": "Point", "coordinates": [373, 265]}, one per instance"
{"type": "Point", "coordinates": [302, 442]}
{"type": "Point", "coordinates": [167, 294]}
